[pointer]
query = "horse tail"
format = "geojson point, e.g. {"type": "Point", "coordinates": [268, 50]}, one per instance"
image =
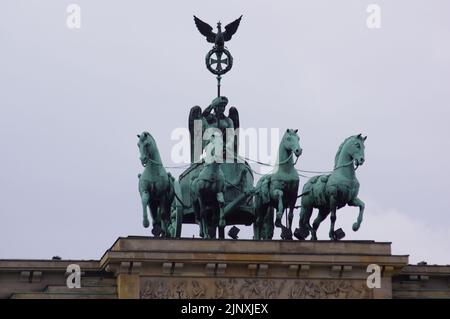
{"type": "Point", "coordinates": [304, 193]}
{"type": "Point", "coordinates": [180, 201]}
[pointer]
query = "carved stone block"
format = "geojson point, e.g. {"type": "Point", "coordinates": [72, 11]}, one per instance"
{"type": "Point", "coordinates": [36, 276]}
{"type": "Point", "coordinates": [24, 276]}
{"type": "Point", "coordinates": [257, 288]}
{"type": "Point", "coordinates": [221, 269]}
{"type": "Point", "coordinates": [293, 270]}
{"type": "Point", "coordinates": [304, 270]}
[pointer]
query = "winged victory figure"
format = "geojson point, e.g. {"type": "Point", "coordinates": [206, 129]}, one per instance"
{"type": "Point", "coordinates": [218, 120]}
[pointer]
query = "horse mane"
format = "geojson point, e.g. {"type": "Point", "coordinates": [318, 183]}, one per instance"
{"type": "Point", "coordinates": [151, 137]}
{"type": "Point", "coordinates": [155, 146]}
{"type": "Point", "coordinates": [336, 158]}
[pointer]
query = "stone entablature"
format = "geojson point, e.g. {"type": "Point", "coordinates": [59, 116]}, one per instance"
{"type": "Point", "coordinates": [254, 269]}
{"type": "Point", "coordinates": [422, 281]}
{"type": "Point", "coordinates": [141, 267]}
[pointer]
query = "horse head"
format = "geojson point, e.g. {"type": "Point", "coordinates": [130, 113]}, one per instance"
{"type": "Point", "coordinates": [214, 148]}
{"type": "Point", "coordinates": [291, 142]}
{"type": "Point", "coordinates": [352, 150]}
{"type": "Point", "coordinates": [144, 144]}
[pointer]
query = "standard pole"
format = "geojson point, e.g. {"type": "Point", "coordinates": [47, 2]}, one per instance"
{"type": "Point", "coordinates": [218, 85]}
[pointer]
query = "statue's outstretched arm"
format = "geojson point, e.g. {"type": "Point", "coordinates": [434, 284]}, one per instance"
{"type": "Point", "coordinates": [207, 111]}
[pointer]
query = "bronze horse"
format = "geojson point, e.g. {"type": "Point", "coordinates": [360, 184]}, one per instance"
{"type": "Point", "coordinates": [328, 193]}
{"type": "Point", "coordinates": [156, 186]}
{"type": "Point", "coordinates": [278, 190]}
{"type": "Point", "coordinates": [207, 196]}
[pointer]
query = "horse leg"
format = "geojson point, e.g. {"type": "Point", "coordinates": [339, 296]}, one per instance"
{"type": "Point", "coordinates": [305, 217]}
{"type": "Point", "coordinates": [165, 217]}
{"type": "Point", "coordinates": [197, 215]}
{"type": "Point", "coordinates": [256, 233]}
{"type": "Point", "coordinates": [211, 222]}
{"type": "Point", "coordinates": [323, 213]}
{"type": "Point", "coordinates": [332, 218]}
{"type": "Point", "coordinates": [156, 218]}
{"type": "Point", "coordinates": [279, 194]}
{"type": "Point", "coordinates": [163, 221]}
{"type": "Point", "coordinates": [290, 217]}
{"type": "Point", "coordinates": [357, 202]}
{"type": "Point", "coordinates": [268, 224]}
{"type": "Point", "coordinates": [145, 198]}
{"type": "Point", "coordinates": [259, 215]}
{"type": "Point", "coordinates": [203, 222]}
{"type": "Point", "coordinates": [221, 232]}
{"type": "Point", "coordinates": [221, 201]}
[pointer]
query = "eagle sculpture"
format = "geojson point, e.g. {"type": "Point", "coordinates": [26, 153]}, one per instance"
{"type": "Point", "coordinates": [220, 37]}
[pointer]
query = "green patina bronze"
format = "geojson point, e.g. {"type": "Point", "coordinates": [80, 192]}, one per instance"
{"type": "Point", "coordinates": [213, 118]}
{"type": "Point", "coordinates": [328, 193]}
{"type": "Point", "coordinates": [217, 190]}
{"type": "Point", "coordinates": [278, 190]}
{"type": "Point", "coordinates": [156, 186]}
{"type": "Point", "coordinates": [218, 60]}
{"type": "Point", "coordinates": [207, 194]}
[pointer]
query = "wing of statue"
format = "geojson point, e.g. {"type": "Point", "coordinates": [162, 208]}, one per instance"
{"type": "Point", "coordinates": [205, 29]}
{"type": "Point", "coordinates": [233, 114]}
{"type": "Point", "coordinates": [231, 29]}
{"type": "Point", "coordinates": [194, 114]}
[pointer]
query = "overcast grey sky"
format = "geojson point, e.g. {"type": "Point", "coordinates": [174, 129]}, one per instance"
{"type": "Point", "coordinates": [72, 102]}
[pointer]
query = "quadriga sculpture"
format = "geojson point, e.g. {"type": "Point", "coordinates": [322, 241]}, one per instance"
{"type": "Point", "coordinates": [156, 186]}
{"type": "Point", "coordinates": [278, 190]}
{"type": "Point", "coordinates": [328, 193]}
